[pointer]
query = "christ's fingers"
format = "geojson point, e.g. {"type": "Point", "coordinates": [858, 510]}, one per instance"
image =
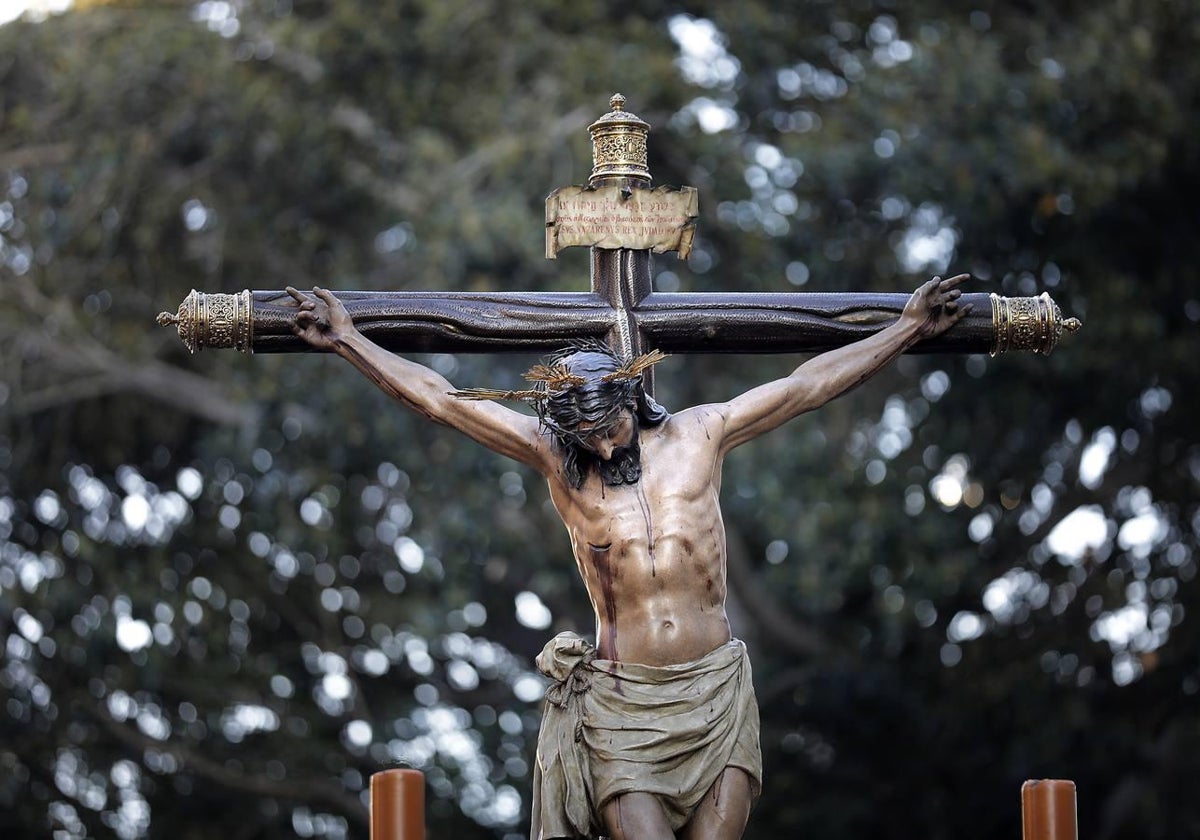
{"type": "Point", "coordinates": [325, 295]}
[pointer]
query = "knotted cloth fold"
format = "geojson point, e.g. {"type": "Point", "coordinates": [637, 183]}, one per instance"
{"type": "Point", "coordinates": [610, 728]}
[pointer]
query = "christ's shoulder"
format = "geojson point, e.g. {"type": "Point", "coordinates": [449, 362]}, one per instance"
{"type": "Point", "coordinates": [700, 423]}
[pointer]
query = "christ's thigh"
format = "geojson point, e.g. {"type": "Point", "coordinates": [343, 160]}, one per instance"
{"type": "Point", "coordinates": [636, 816]}
{"type": "Point", "coordinates": [722, 813]}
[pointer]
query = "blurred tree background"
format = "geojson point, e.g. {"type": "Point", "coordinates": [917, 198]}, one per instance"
{"type": "Point", "coordinates": [232, 588]}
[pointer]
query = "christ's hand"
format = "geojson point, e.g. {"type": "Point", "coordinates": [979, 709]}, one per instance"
{"type": "Point", "coordinates": [934, 307]}
{"type": "Point", "coordinates": [321, 321]}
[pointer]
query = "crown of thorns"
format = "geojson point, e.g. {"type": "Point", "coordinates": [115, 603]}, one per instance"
{"type": "Point", "coordinates": [555, 376]}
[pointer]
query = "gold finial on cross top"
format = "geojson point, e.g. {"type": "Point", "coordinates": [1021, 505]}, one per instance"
{"type": "Point", "coordinates": [619, 146]}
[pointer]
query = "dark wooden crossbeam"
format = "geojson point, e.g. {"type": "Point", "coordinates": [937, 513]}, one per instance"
{"type": "Point", "coordinates": [623, 221]}
{"type": "Point", "coordinates": [678, 322]}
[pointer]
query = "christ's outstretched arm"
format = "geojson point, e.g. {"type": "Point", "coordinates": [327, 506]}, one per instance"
{"type": "Point", "coordinates": [932, 309]}
{"type": "Point", "coordinates": [323, 322]}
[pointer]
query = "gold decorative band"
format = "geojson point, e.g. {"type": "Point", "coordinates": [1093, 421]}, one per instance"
{"type": "Point", "coordinates": [213, 320]}
{"type": "Point", "coordinates": [1028, 323]}
{"type": "Point", "coordinates": [619, 144]}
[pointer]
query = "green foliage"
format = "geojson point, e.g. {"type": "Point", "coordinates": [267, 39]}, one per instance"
{"type": "Point", "coordinates": [231, 589]}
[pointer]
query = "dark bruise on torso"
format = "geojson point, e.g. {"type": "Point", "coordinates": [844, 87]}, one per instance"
{"type": "Point", "coordinates": [652, 554]}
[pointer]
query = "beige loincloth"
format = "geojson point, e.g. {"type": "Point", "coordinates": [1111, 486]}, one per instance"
{"type": "Point", "coordinates": [610, 728]}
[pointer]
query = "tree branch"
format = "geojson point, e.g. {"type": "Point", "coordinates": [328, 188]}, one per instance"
{"type": "Point", "coordinates": [96, 370]}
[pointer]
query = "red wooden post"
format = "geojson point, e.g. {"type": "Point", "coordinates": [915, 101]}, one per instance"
{"type": "Point", "coordinates": [398, 805]}
{"type": "Point", "coordinates": [1048, 810]}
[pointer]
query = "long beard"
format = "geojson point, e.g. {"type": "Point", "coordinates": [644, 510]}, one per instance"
{"type": "Point", "coordinates": [624, 467]}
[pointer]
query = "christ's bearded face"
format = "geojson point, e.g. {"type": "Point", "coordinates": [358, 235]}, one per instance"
{"type": "Point", "coordinates": [615, 452]}
{"type": "Point", "coordinates": [596, 417]}
{"type": "Point", "coordinates": [595, 421]}
{"type": "Point", "coordinates": [608, 440]}
{"type": "Point", "coordinates": [609, 443]}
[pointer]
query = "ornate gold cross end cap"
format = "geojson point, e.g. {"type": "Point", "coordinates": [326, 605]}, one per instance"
{"type": "Point", "coordinates": [1028, 323]}
{"type": "Point", "coordinates": [619, 145]}
{"type": "Point", "coordinates": [213, 320]}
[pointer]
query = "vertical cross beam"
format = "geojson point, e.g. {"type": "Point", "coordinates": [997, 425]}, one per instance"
{"type": "Point", "coordinates": [622, 275]}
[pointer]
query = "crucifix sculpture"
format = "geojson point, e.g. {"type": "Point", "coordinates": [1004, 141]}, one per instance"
{"type": "Point", "coordinates": [652, 731]}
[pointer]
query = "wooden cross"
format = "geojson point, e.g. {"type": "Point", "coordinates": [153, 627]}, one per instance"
{"type": "Point", "coordinates": [623, 220]}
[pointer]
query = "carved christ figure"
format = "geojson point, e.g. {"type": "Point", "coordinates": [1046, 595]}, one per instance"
{"type": "Point", "coordinates": [652, 733]}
